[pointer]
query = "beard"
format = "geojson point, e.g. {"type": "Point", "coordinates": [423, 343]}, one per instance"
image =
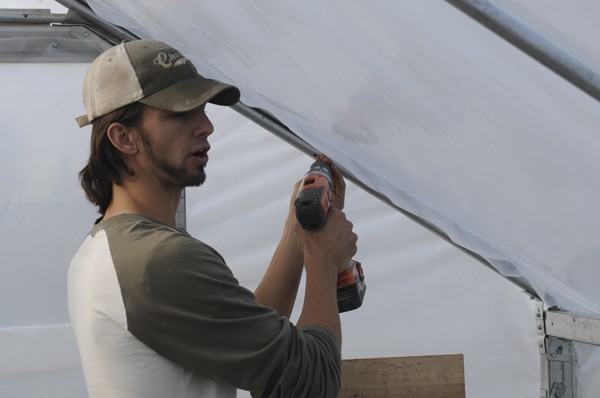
{"type": "Point", "coordinates": [178, 175]}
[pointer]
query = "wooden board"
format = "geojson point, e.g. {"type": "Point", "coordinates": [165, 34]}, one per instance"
{"type": "Point", "coordinates": [436, 376]}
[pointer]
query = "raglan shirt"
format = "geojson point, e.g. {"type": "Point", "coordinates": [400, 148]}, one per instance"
{"type": "Point", "coordinates": [157, 313]}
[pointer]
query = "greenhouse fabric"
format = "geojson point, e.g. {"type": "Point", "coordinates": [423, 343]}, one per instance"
{"type": "Point", "coordinates": [416, 100]}
{"type": "Point", "coordinates": [425, 106]}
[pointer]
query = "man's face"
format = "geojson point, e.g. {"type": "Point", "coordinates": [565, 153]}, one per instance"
{"type": "Point", "coordinates": [176, 145]}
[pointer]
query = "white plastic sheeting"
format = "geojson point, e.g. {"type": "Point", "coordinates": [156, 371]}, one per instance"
{"type": "Point", "coordinates": [424, 105]}
{"type": "Point", "coordinates": [43, 219]}
{"type": "Point", "coordinates": [424, 297]}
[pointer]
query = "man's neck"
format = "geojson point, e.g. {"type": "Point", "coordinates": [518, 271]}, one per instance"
{"type": "Point", "coordinates": [157, 204]}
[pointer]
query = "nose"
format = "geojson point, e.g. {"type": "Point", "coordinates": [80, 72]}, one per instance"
{"type": "Point", "coordinates": [201, 123]}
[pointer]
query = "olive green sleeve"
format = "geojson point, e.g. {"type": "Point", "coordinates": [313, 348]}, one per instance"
{"type": "Point", "coordinates": [186, 305]}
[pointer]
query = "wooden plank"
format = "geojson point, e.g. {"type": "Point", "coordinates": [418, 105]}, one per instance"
{"type": "Point", "coordinates": [436, 376]}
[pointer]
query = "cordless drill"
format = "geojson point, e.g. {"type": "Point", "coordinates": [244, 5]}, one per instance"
{"type": "Point", "coordinates": [312, 206]}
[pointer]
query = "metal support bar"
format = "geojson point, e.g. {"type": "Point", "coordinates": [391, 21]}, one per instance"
{"type": "Point", "coordinates": [45, 43]}
{"type": "Point", "coordinates": [571, 326]}
{"type": "Point", "coordinates": [532, 44]}
{"type": "Point", "coordinates": [29, 16]}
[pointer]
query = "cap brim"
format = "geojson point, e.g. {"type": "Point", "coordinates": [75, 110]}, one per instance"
{"type": "Point", "coordinates": [189, 94]}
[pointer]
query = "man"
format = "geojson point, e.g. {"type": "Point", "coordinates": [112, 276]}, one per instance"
{"type": "Point", "coordinates": [156, 312]}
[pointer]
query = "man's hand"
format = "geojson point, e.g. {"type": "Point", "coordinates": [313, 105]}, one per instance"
{"type": "Point", "coordinates": [327, 252]}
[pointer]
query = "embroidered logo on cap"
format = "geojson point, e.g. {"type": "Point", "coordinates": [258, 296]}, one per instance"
{"type": "Point", "coordinates": [170, 59]}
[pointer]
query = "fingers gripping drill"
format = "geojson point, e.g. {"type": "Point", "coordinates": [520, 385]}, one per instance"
{"type": "Point", "coordinates": [312, 206]}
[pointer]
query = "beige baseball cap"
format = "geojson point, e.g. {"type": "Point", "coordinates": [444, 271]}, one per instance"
{"type": "Point", "coordinates": [152, 73]}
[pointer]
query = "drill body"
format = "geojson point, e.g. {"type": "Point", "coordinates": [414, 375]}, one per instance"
{"type": "Point", "coordinates": [312, 206]}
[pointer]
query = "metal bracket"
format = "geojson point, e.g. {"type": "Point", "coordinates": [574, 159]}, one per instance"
{"type": "Point", "coordinates": [557, 358]}
{"type": "Point", "coordinates": [560, 358]}
{"type": "Point", "coordinates": [540, 325]}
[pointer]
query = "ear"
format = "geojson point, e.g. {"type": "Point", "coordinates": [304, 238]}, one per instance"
{"type": "Point", "coordinates": [122, 138]}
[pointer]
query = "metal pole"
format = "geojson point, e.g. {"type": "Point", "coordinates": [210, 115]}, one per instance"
{"type": "Point", "coordinates": [532, 44]}
{"type": "Point", "coordinates": [30, 17]}
{"type": "Point", "coordinates": [117, 34]}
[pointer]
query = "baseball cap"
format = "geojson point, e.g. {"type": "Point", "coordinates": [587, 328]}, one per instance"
{"type": "Point", "coordinates": [152, 73]}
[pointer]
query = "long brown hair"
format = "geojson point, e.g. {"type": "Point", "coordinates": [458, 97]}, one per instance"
{"type": "Point", "coordinates": [105, 165]}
